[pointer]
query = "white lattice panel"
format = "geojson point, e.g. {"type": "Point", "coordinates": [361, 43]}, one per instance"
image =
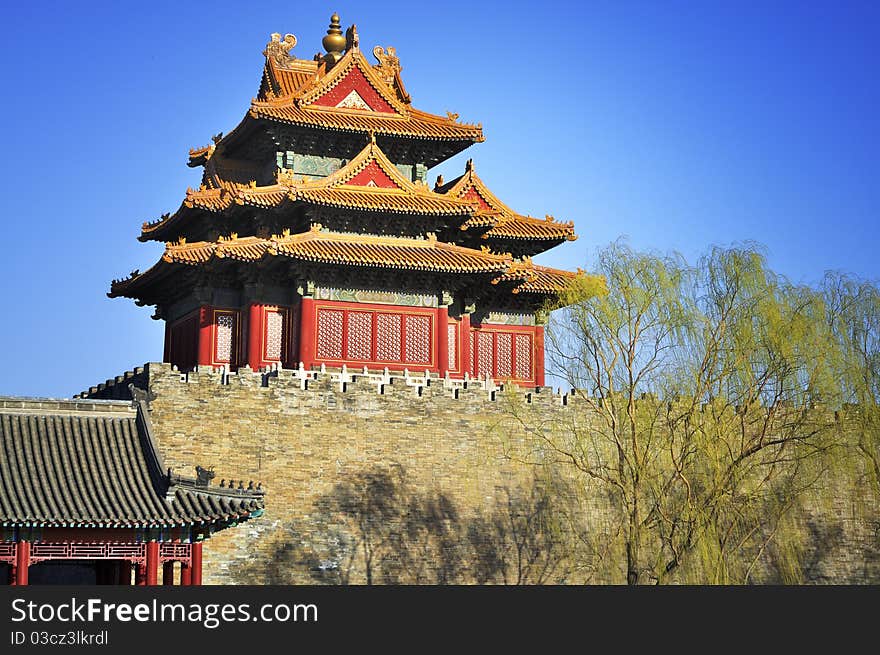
{"type": "Point", "coordinates": [7, 552]}
{"type": "Point", "coordinates": [49, 551]}
{"type": "Point", "coordinates": [360, 335]}
{"type": "Point", "coordinates": [504, 352]}
{"type": "Point", "coordinates": [388, 337]}
{"type": "Point", "coordinates": [485, 355]}
{"type": "Point", "coordinates": [175, 552]}
{"type": "Point", "coordinates": [451, 346]}
{"type": "Point", "coordinates": [473, 362]}
{"type": "Point", "coordinates": [225, 332]}
{"type": "Point", "coordinates": [418, 339]}
{"type": "Point", "coordinates": [329, 334]}
{"type": "Point", "coordinates": [523, 357]}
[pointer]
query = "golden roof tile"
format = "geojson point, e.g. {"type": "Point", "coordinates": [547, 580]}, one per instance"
{"type": "Point", "coordinates": [507, 224]}
{"type": "Point", "coordinates": [328, 248]}
{"type": "Point", "coordinates": [335, 190]}
{"type": "Point", "coordinates": [295, 104]}
{"type": "Point", "coordinates": [536, 279]}
{"type": "Point", "coordinates": [283, 81]}
{"type": "Point", "coordinates": [417, 124]}
{"type": "Point", "coordinates": [319, 86]}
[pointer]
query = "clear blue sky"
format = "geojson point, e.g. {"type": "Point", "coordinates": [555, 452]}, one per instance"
{"type": "Point", "coordinates": [676, 124]}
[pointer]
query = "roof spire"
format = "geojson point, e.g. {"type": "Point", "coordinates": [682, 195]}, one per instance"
{"type": "Point", "coordinates": [334, 43]}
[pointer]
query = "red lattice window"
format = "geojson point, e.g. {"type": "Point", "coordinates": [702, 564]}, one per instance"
{"type": "Point", "coordinates": [452, 346]}
{"type": "Point", "coordinates": [485, 354]}
{"type": "Point", "coordinates": [329, 334]}
{"type": "Point", "coordinates": [504, 355]}
{"type": "Point", "coordinates": [373, 335]}
{"type": "Point", "coordinates": [274, 335]}
{"type": "Point", "coordinates": [524, 357]}
{"type": "Point", "coordinates": [359, 335]}
{"type": "Point", "coordinates": [388, 333]}
{"type": "Point", "coordinates": [418, 339]}
{"type": "Point", "coordinates": [224, 324]}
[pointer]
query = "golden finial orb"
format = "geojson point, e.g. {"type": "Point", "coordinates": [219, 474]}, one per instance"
{"type": "Point", "coordinates": [334, 42]}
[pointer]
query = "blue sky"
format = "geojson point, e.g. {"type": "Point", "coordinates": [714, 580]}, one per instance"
{"type": "Point", "coordinates": [676, 124]}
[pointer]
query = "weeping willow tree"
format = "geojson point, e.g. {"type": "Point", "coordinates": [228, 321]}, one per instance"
{"type": "Point", "coordinates": [707, 398]}
{"type": "Point", "coordinates": [854, 317]}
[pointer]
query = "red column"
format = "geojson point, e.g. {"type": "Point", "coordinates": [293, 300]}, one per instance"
{"type": "Point", "coordinates": [185, 574]}
{"type": "Point", "coordinates": [255, 336]}
{"type": "Point", "coordinates": [168, 573]}
{"type": "Point", "coordinates": [307, 329]}
{"type": "Point", "coordinates": [539, 355]}
{"type": "Point", "coordinates": [206, 336]}
{"type": "Point", "coordinates": [152, 562]}
{"type": "Point", "coordinates": [464, 341]}
{"type": "Point", "coordinates": [197, 563]}
{"type": "Point", "coordinates": [22, 562]}
{"type": "Point", "coordinates": [442, 345]}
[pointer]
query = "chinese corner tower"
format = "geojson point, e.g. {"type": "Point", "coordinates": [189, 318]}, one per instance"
{"type": "Point", "coordinates": [315, 239]}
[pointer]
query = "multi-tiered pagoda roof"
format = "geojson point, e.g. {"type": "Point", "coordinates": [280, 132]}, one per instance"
{"type": "Point", "coordinates": [322, 185]}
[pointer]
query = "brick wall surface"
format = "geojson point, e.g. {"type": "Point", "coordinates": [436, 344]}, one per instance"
{"type": "Point", "coordinates": [300, 442]}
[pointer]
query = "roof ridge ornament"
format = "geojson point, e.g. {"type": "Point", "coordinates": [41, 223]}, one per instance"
{"type": "Point", "coordinates": [204, 476]}
{"type": "Point", "coordinates": [352, 40]}
{"type": "Point", "coordinates": [279, 50]}
{"type": "Point", "coordinates": [334, 43]}
{"type": "Point", "coordinates": [388, 59]}
{"type": "Point", "coordinates": [285, 176]}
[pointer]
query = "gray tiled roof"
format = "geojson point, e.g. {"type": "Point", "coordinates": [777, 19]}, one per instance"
{"type": "Point", "coordinates": [95, 463]}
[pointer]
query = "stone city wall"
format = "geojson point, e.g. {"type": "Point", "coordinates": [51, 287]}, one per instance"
{"type": "Point", "coordinates": [300, 433]}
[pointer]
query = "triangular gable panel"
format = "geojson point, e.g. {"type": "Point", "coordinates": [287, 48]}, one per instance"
{"type": "Point", "coordinates": [473, 196]}
{"type": "Point", "coordinates": [354, 101]}
{"type": "Point", "coordinates": [355, 81]}
{"type": "Point", "coordinates": [373, 175]}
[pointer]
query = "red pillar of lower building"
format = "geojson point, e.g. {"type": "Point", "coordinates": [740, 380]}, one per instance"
{"type": "Point", "coordinates": [140, 575]}
{"type": "Point", "coordinates": [168, 573]}
{"type": "Point", "coordinates": [22, 562]}
{"type": "Point", "coordinates": [442, 341]}
{"type": "Point", "coordinates": [255, 336]}
{"type": "Point", "coordinates": [185, 574]}
{"type": "Point", "coordinates": [307, 328]}
{"type": "Point", "coordinates": [464, 340]}
{"type": "Point", "coordinates": [197, 563]}
{"type": "Point", "coordinates": [152, 562]}
{"type": "Point", "coordinates": [539, 355]}
{"type": "Point", "coordinates": [206, 336]}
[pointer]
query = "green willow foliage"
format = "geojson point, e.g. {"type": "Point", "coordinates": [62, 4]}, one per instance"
{"type": "Point", "coordinates": [719, 396]}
